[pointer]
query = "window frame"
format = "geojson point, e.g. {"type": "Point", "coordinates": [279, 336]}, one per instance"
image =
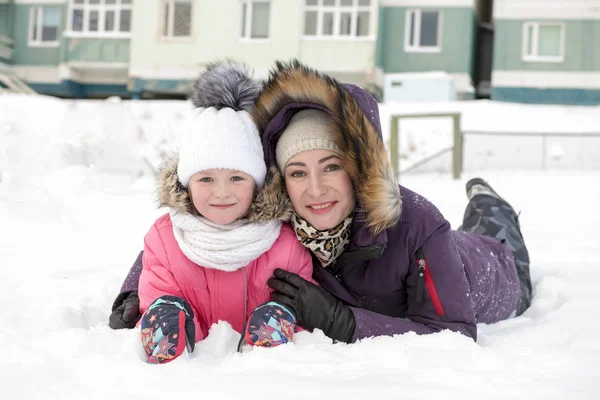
{"type": "Point", "coordinates": [102, 8]}
{"type": "Point", "coordinates": [527, 56]}
{"type": "Point", "coordinates": [338, 9]}
{"type": "Point", "coordinates": [38, 12]}
{"type": "Point", "coordinates": [407, 30]}
{"type": "Point", "coordinates": [169, 37]}
{"type": "Point", "coordinates": [246, 36]}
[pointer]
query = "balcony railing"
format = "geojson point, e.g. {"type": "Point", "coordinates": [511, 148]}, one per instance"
{"type": "Point", "coordinates": [6, 48]}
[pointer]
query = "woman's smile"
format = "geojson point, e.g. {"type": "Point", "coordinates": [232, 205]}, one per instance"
{"type": "Point", "coordinates": [321, 208]}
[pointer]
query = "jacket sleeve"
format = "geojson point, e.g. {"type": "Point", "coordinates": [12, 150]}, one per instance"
{"type": "Point", "coordinates": [157, 280]}
{"type": "Point", "coordinates": [131, 282]}
{"type": "Point", "coordinates": [445, 295]}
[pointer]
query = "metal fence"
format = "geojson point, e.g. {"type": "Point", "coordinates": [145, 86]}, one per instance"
{"type": "Point", "coordinates": [475, 150]}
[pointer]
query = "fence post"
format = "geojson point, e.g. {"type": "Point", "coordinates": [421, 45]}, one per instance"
{"type": "Point", "coordinates": [457, 153]}
{"type": "Point", "coordinates": [544, 151]}
{"type": "Point", "coordinates": [394, 144]}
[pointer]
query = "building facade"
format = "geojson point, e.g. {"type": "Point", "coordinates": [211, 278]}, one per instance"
{"type": "Point", "coordinates": [547, 51]}
{"type": "Point", "coordinates": [537, 51]}
{"type": "Point", "coordinates": [171, 42]}
{"type": "Point", "coordinates": [427, 35]}
{"type": "Point", "coordinates": [145, 48]}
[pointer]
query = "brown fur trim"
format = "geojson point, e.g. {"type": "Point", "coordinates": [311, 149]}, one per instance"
{"type": "Point", "coordinates": [171, 192]}
{"type": "Point", "coordinates": [272, 202]}
{"type": "Point", "coordinates": [267, 205]}
{"type": "Point", "coordinates": [365, 156]}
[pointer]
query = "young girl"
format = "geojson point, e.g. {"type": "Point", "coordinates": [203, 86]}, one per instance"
{"type": "Point", "coordinates": [203, 262]}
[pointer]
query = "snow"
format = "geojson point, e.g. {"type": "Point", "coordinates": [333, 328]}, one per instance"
{"type": "Point", "coordinates": [77, 196]}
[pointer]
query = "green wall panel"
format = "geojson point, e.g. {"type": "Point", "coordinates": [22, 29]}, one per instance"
{"type": "Point", "coordinates": [379, 55]}
{"type": "Point", "coordinates": [96, 50]}
{"type": "Point", "coordinates": [23, 54]}
{"type": "Point", "coordinates": [456, 56]}
{"type": "Point", "coordinates": [5, 28]}
{"type": "Point", "coordinates": [582, 47]}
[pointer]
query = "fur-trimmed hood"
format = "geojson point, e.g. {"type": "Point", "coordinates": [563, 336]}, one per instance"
{"type": "Point", "coordinates": [293, 87]}
{"type": "Point", "coordinates": [265, 207]}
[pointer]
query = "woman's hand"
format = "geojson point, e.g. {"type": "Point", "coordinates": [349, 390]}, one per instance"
{"type": "Point", "coordinates": [314, 306]}
{"type": "Point", "coordinates": [126, 311]}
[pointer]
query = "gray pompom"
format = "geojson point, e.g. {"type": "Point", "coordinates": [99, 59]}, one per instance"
{"type": "Point", "coordinates": [226, 84]}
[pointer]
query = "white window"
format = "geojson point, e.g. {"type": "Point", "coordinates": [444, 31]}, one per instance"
{"type": "Point", "coordinates": [255, 19]}
{"type": "Point", "coordinates": [104, 18]}
{"type": "Point", "coordinates": [177, 19]}
{"type": "Point", "coordinates": [423, 31]}
{"type": "Point", "coordinates": [44, 23]}
{"type": "Point", "coordinates": [543, 42]}
{"type": "Point", "coordinates": [338, 18]}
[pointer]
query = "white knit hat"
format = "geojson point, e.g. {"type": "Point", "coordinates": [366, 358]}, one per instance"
{"type": "Point", "coordinates": [309, 129]}
{"type": "Point", "coordinates": [222, 138]}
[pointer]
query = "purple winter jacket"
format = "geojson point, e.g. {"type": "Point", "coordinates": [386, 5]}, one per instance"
{"type": "Point", "coordinates": [405, 270]}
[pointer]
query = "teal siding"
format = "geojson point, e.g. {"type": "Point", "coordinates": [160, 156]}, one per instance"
{"type": "Point", "coordinates": [23, 54]}
{"type": "Point", "coordinates": [71, 89]}
{"type": "Point", "coordinates": [5, 28]}
{"type": "Point", "coordinates": [457, 50]}
{"type": "Point", "coordinates": [379, 50]}
{"type": "Point", "coordinates": [547, 96]}
{"type": "Point", "coordinates": [96, 50]}
{"type": "Point", "coordinates": [5, 32]}
{"type": "Point", "coordinates": [582, 49]}
{"type": "Point", "coordinates": [138, 85]}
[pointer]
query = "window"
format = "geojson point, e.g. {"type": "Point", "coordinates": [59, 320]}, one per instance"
{"type": "Point", "coordinates": [423, 32]}
{"type": "Point", "coordinates": [255, 19]}
{"type": "Point", "coordinates": [110, 18]}
{"type": "Point", "coordinates": [337, 18]}
{"type": "Point", "coordinates": [543, 42]}
{"type": "Point", "coordinates": [177, 19]}
{"type": "Point", "coordinates": [44, 23]}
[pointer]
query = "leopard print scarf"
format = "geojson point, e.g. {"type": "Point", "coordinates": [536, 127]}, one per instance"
{"type": "Point", "coordinates": [327, 245]}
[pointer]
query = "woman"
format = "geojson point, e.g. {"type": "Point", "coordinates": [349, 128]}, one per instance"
{"type": "Point", "coordinates": [385, 258]}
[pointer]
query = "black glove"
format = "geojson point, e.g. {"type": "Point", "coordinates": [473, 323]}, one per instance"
{"type": "Point", "coordinates": [314, 306]}
{"type": "Point", "coordinates": [125, 311]}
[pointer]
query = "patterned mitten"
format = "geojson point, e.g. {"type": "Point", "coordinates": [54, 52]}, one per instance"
{"type": "Point", "coordinates": [270, 325]}
{"type": "Point", "coordinates": [167, 326]}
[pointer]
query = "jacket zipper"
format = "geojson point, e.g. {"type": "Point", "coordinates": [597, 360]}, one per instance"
{"type": "Point", "coordinates": [245, 323]}
{"type": "Point", "coordinates": [424, 279]}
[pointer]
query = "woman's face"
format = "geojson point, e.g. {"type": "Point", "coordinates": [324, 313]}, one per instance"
{"type": "Point", "coordinates": [320, 189]}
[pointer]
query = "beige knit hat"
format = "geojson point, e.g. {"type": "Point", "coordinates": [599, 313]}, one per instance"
{"type": "Point", "coordinates": [309, 129]}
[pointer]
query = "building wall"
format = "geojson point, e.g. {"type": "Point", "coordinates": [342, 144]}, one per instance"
{"type": "Point", "coordinates": [5, 26]}
{"type": "Point", "coordinates": [5, 34]}
{"type": "Point", "coordinates": [216, 27]}
{"type": "Point", "coordinates": [166, 65]}
{"type": "Point", "coordinates": [582, 47]}
{"type": "Point", "coordinates": [456, 55]}
{"type": "Point", "coordinates": [575, 80]}
{"type": "Point", "coordinates": [23, 54]}
{"type": "Point", "coordinates": [95, 50]}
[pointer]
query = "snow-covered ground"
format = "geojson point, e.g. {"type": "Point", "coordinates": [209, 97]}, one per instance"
{"type": "Point", "coordinates": [76, 198]}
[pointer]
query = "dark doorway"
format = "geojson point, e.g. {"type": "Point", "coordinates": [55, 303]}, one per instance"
{"type": "Point", "coordinates": [484, 60]}
{"type": "Point", "coordinates": [484, 48]}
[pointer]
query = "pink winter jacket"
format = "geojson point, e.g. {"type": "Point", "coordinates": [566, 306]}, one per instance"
{"type": "Point", "coordinates": [214, 294]}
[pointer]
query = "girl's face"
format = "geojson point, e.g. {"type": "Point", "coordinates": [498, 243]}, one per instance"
{"type": "Point", "coordinates": [320, 189]}
{"type": "Point", "coordinates": [221, 195]}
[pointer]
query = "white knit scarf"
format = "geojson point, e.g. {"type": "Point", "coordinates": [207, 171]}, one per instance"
{"type": "Point", "coordinates": [224, 247]}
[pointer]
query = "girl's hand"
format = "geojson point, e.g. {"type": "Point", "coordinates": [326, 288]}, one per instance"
{"type": "Point", "coordinates": [167, 326]}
